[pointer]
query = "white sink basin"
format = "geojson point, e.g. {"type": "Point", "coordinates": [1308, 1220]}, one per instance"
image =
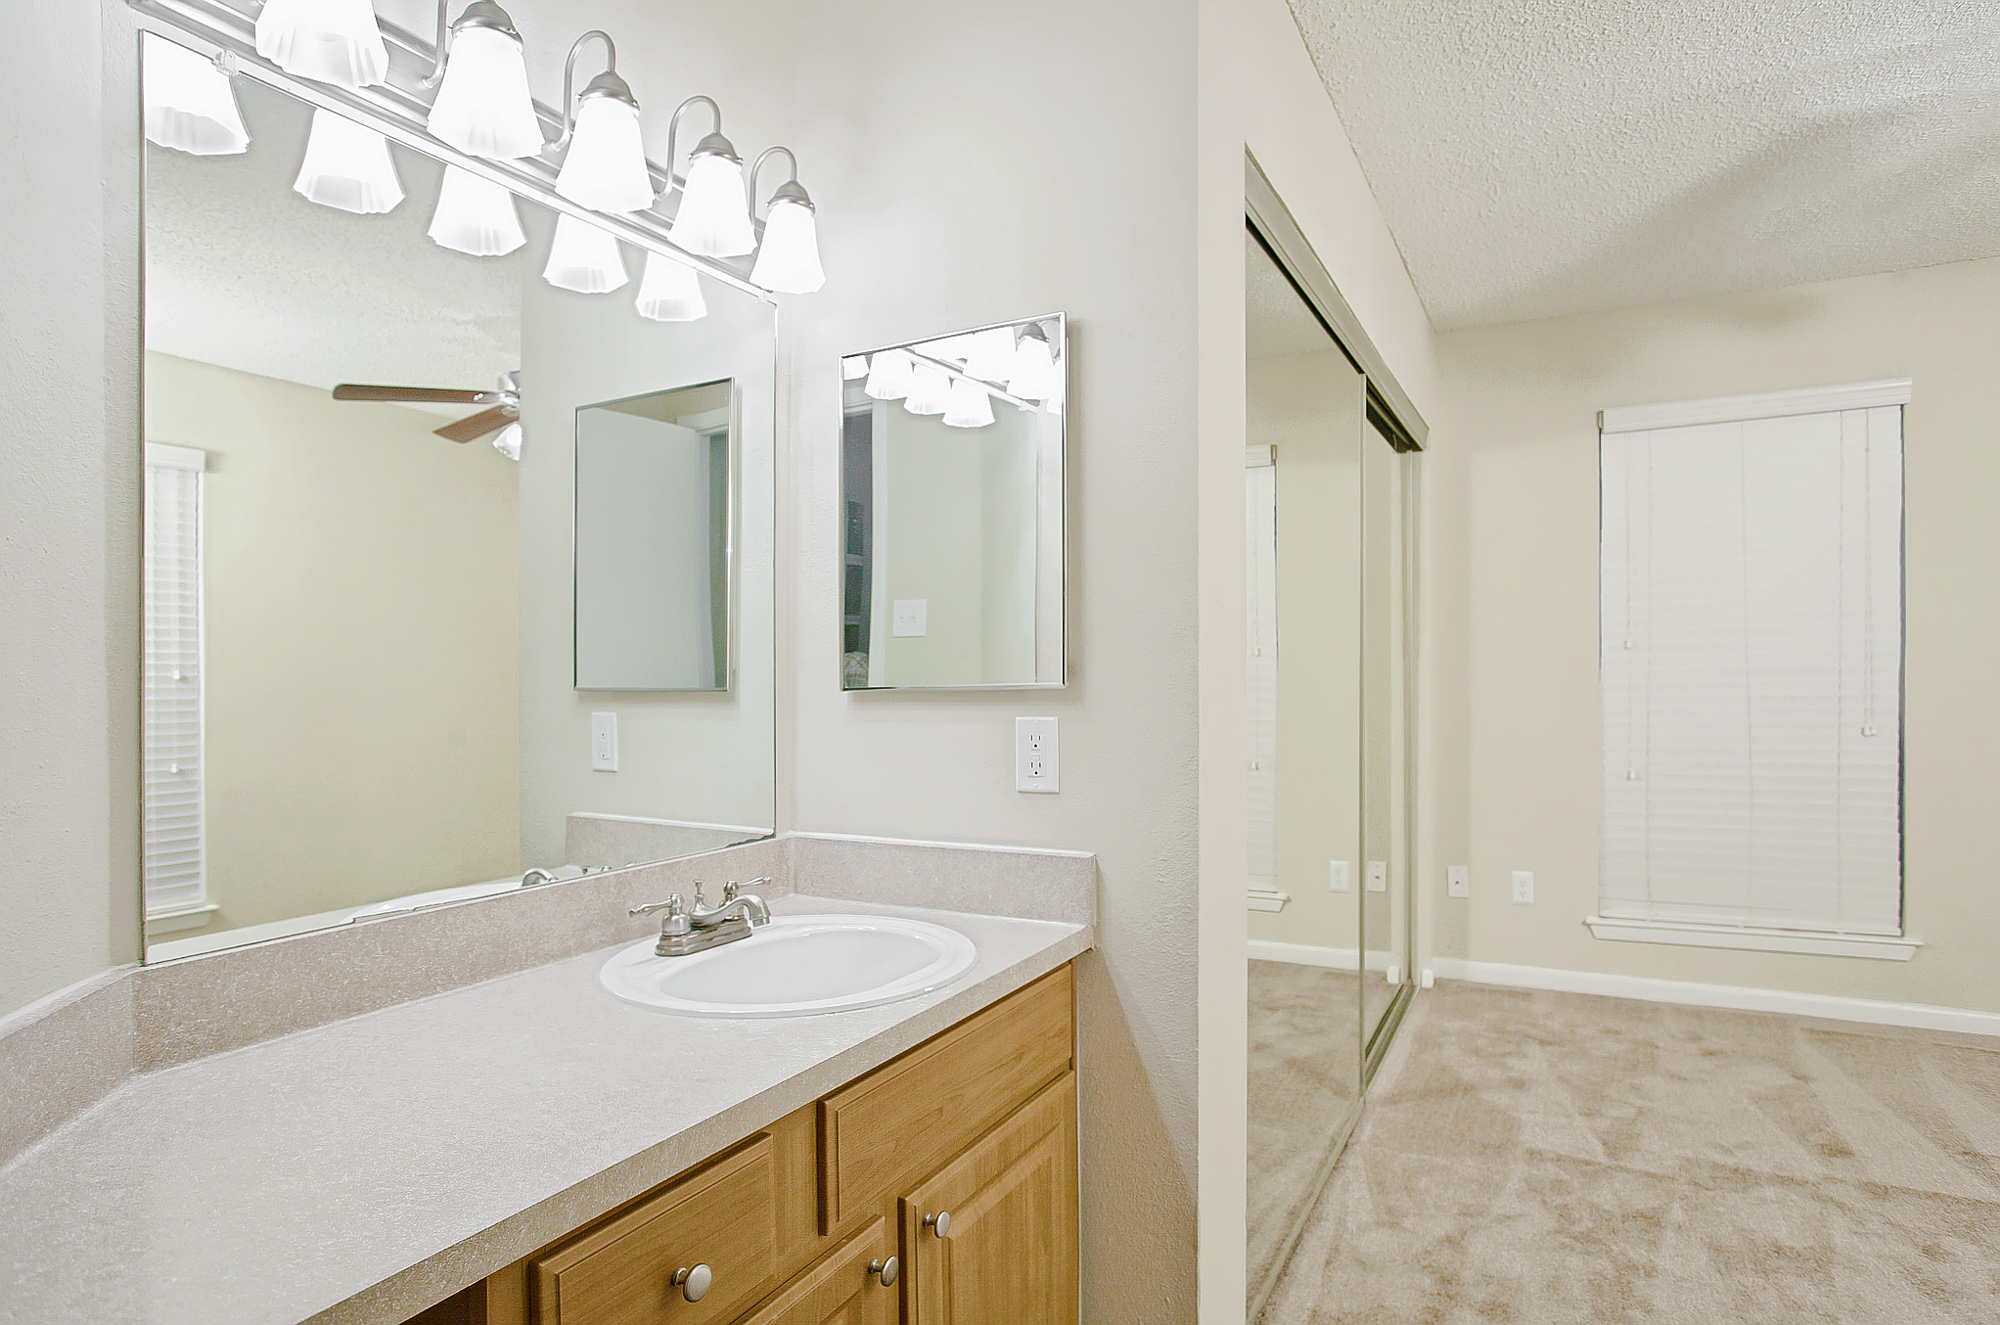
{"type": "Point", "coordinates": [796, 966]}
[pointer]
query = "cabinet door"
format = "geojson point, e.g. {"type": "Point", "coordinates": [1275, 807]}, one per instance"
{"type": "Point", "coordinates": [841, 1290]}
{"type": "Point", "coordinates": [1009, 1256]}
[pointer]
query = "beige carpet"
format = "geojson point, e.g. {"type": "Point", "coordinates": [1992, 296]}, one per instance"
{"type": "Point", "coordinates": [1304, 1065]}
{"type": "Point", "coordinates": [1537, 1157]}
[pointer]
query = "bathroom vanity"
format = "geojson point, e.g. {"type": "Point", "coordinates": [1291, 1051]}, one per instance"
{"type": "Point", "coordinates": [940, 1187]}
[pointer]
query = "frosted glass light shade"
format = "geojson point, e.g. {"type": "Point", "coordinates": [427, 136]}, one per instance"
{"type": "Point", "coordinates": [1035, 376]}
{"type": "Point", "coordinates": [508, 440]}
{"type": "Point", "coordinates": [605, 166]}
{"type": "Point", "coordinates": [483, 108]}
{"type": "Point", "coordinates": [584, 258]}
{"type": "Point", "coordinates": [670, 291]}
{"type": "Point", "coordinates": [788, 259]}
{"type": "Point", "coordinates": [714, 218]}
{"type": "Point", "coordinates": [329, 41]}
{"type": "Point", "coordinates": [969, 405]}
{"type": "Point", "coordinates": [889, 375]}
{"type": "Point", "coordinates": [992, 356]}
{"type": "Point", "coordinates": [475, 216]}
{"type": "Point", "coordinates": [190, 106]}
{"type": "Point", "coordinates": [930, 390]}
{"type": "Point", "coordinates": [347, 165]}
{"type": "Point", "coordinates": [853, 368]}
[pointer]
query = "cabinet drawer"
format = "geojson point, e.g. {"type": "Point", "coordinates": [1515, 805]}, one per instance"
{"type": "Point", "coordinates": [907, 1117]}
{"type": "Point", "coordinates": [621, 1272]}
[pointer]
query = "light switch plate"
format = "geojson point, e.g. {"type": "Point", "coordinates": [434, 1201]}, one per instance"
{"type": "Point", "coordinates": [1457, 881]}
{"type": "Point", "coordinates": [910, 617]}
{"type": "Point", "coordinates": [1378, 876]}
{"type": "Point", "coordinates": [1337, 879]}
{"type": "Point", "coordinates": [1524, 887]}
{"type": "Point", "coordinates": [1035, 762]}
{"type": "Point", "coordinates": [604, 742]}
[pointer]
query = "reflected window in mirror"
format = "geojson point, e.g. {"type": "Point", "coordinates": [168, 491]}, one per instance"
{"type": "Point", "coordinates": [952, 537]}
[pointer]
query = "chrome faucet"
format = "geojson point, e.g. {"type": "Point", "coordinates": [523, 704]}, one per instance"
{"type": "Point", "coordinates": [537, 876]}
{"type": "Point", "coordinates": [685, 929]}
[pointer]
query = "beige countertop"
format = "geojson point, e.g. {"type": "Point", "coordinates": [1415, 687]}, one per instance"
{"type": "Point", "coordinates": [361, 1170]}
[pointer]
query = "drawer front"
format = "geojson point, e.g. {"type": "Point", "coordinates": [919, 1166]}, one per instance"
{"type": "Point", "coordinates": [621, 1272]}
{"type": "Point", "coordinates": [907, 1117]}
{"type": "Point", "coordinates": [840, 1290]}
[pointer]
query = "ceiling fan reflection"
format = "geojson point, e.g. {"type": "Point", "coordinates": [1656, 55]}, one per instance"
{"type": "Point", "coordinates": [502, 414]}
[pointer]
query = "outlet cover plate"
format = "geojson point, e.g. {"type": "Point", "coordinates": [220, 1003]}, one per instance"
{"type": "Point", "coordinates": [1036, 764]}
{"type": "Point", "coordinates": [1524, 887]}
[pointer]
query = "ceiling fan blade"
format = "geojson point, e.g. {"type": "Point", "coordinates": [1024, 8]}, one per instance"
{"type": "Point", "coordinates": [475, 426]}
{"type": "Point", "coordinates": [428, 395]}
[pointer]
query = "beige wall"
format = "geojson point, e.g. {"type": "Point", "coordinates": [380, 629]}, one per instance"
{"type": "Point", "coordinates": [1310, 407]}
{"type": "Point", "coordinates": [360, 639]}
{"type": "Point", "coordinates": [1522, 404]}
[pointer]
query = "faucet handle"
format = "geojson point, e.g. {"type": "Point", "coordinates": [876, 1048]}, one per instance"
{"type": "Point", "coordinates": [675, 921]}
{"type": "Point", "coordinates": [673, 903]}
{"type": "Point", "coordinates": [732, 888]}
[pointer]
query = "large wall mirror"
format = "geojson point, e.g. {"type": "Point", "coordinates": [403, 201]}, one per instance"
{"type": "Point", "coordinates": [375, 675]}
{"type": "Point", "coordinates": [952, 487]}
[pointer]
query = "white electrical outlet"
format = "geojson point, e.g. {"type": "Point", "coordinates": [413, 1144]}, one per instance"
{"type": "Point", "coordinates": [604, 742]}
{"type": "Point", "coordinates": [910, 617]}
{"type": "Point", "coordinates": [1524, 887]}
{"type": "Point", "coordinates": [1378, 876]}
{"type": "Point", "coordinates": [1035, 755]}
{"type": "Point", "coordinates": [1457, 881]}
{"type": "Point", "coordinates": [1336, 876]}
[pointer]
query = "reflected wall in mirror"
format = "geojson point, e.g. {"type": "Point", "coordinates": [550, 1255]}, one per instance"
{"type": "Point", "coordinates": [359, 667]}
{"type": "Point", "coordinates": [654, 483]}
{"type": "Point", "coordinates": [952, 536]}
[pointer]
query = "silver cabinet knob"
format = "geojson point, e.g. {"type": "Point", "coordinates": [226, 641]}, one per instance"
{"type": "Point", "coordinates": [939, 1223]}
{"type": "Point", "coordinates": [886, 1271]}
{"type": "Point", "coordinates": [694, 1283]}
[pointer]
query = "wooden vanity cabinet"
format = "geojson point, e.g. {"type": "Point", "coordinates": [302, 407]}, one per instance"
{"type": "Point", "coordinates": [798, 1224]}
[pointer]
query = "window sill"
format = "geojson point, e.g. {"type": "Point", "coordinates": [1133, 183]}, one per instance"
{"type": "Point", "coordinates": [1691, 934]}
{"type": "Point", "coordinates": [176, 918]}
{"type": "Point", "coordinates": [1268, 899]}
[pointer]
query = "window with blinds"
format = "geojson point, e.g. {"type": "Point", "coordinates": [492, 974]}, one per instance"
{"type": "Point", "coordinates": [1751, 661]}
{"type": "Point", "coordinates": [172, 866]}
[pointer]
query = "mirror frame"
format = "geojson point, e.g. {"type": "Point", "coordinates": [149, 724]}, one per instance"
{"type": "Point", "coordinates": [1062, 344]}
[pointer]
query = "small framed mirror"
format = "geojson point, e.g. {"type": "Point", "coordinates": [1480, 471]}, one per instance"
{"type": "Point", "coordinates": [953, 548]}
{"type": "Point", "coordinates": [655, 524]}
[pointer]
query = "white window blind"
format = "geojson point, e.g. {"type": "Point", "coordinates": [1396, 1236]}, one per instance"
{"type": "Point", "coordinates": [172, 864]}
{"type": "Point", "coordinates": [1752, 669]}
{"type": "Point", "coordinates": [1261, 524]}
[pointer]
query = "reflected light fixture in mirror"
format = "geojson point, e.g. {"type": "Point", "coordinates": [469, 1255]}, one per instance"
{"type": "Point", "coordinates": [853, 368]}
{"type": "Point", "coordinates": [508, 441]}
{"type": "Point", "coordinates": [604, 166]}
{"type": "Point", "coordinates": [992, 355]}
{"type": "Point", "coordinates": [1035, 376]}
{"type": "Point", "coordinates": [670, 291]}
{"type": "Point", "coordinates": [347, 165]}
{"type": "Point", "coordinates": [475, 216]}
{"type": "Point", "coordinates": [584, 258]}
{"type": "Point", "coordinates": [930, 390]}
{"type": "Point", "coordinates": [890, 374]}
{"type": "Point", "coordinates": [329, 41]}
{"type": "Point", "coordinates": [190, 106]}
{"type": "Point", "coordinates": [483, 106]}
{"type": "Point", "coordinates": [969, 406]}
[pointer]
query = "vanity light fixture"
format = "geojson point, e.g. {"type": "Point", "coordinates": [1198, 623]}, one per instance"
{"type": "Point", "coordinates": [788, 258]}
{"type": "Point", "coordinates": [604, 166]}
{"type": "Point", "coordinates": [670, 291]}
{"type": "Point", "coordinates": [190, 106]}
{"type": "Point", "coordinates": [483, 106]}
{"type": "Point", "coordinates": [329, 41]}
{"type": "Point", "coordinates": [713, 220]}
{"type": "Point", "coordinates": [853, 368]}
{"type": "Point", "coordinates": [347, 165]}
{"type": "Point", "coordinates": [930, 390]}
{"type": "Point", "coordinates": [508, 440]}
{"type": "Point", "coordinates": [1035, 375]}
{"type": "Point", "coordinates": [968, 406]}
{"type": "Point", "coordinates": [992, 355]}
{"type": "Point", "coordinates": [584, 258]}
{"type": "Point", "coordinates": [890, 375]}
{"type": "Point", "coordinates": [476, 216]}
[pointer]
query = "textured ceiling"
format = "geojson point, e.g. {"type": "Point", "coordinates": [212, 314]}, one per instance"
{"type": "Point", "coordinates": [1536, 158]}
{"type": "Point", "coordinates": [243, 272]}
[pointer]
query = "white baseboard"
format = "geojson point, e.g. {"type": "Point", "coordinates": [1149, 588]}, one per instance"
{"type": "Point", "coordinates": [1312, 954]}
{"type": "Point", "coordinates": [1924, 1016]}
